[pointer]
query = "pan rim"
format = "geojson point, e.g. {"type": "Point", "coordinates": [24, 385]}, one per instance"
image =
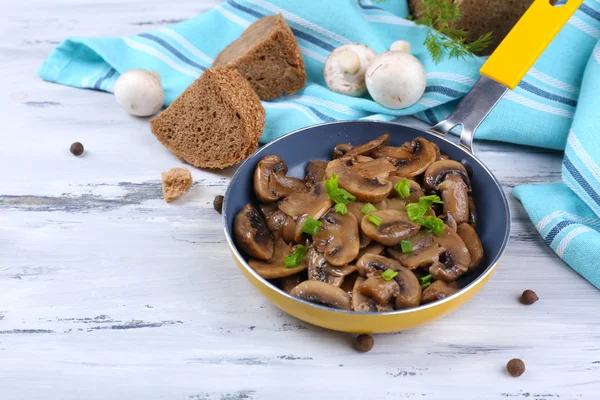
{"type": "Point", "coordinates": [489, 269]}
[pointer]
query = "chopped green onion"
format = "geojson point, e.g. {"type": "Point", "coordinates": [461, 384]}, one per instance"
{"type": "Point", "coordinates": [425, 285]}
{"type": "Point", "coordinates": [429, 200]}
{"type": "Point", "coordinates": [415, 211]}
{"type": "Point", "coordinates": [341, 209]}
{"type": "Point", "coordinates": [403, 188]}
{"type": "Point", "coordinates": [367, 208]}
{"type": "Point", "coordinates": [406, 246]}
{"type": "Point", "coordinates": [435, 224]}
{"type": "Point", "coordinates": [311, 226]}
{"type": "Point", "coordinates": [425, 279]}
{"type": "Point", "coordinates": [341, 196]}
{"type": "Point", "coordinates": [389, 274]}
{"type": "Point", "coordinates": [331, 184]}
{"type": "Point", "coordinates": [374, 219]}
{"type": "Point", "coordinates": [294, 259]}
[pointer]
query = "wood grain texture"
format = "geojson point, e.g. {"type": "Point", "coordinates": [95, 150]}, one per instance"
{"type": "Point", "coordinates": [107, 292]}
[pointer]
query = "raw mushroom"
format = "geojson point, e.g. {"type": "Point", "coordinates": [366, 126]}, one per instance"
{"type": "Point", "coordinates": [345, 69]}
{"type": "Point", "coordinates": [274, 267]}
{"type": "Point", "coordinates": [251, 233]}
{"type": "Point", "coordinates": [346, 149]}
{"type": "Point", "coordinates": [455, 261]}
{"type": "Point", "coordinates": [401, 45]}
{"type": "Point", "coordinates": [140, 92]}
{"type": "Point", "coordinates": [281, 225]}
{"type": "Point", "coordinates": [379, 289]}
{"type": "Point", "coordinates": [365, 180]}
{"type": "Point", "coordinates": [396, 79]}
{"type": "Point", "coordinates": [411, 159]}
{"type": "Point", "coordinates": [471, 239]}
{"type": "Point", "coordinates": [323, 294]}
{"type": "Point", "coordinates": [439, 290]}
{"type": "Point", "coordinates": [338, 238]}
{"type": "Point", "coordinates": [395, 226]}
{"type": "Point", "coordinates": [315, 172]}
{"type": "Point", "coordinates": [270, 181]}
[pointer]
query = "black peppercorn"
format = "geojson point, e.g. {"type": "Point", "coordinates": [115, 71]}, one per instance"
{"type": "Point", "coordinates": [364, 343]}
{"type": "Point", "coordinates": [529, 297]}
{"type": "Point", "coordinates": [77, 149]}
{"type": "Point", "coordinates": [515, 367]}
{"type": "Point", "coordinates": [218, 203]}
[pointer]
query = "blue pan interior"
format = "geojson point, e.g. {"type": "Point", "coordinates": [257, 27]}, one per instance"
{"type": "Point", "coordinates": [298, 148]}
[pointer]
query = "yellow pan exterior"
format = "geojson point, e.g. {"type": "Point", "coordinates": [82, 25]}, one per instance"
{"type": "Point", "coordinates": [361, 323]}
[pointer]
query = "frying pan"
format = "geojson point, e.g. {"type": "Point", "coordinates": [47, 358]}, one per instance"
{"type": "Point", "coordinates": [502, 71]}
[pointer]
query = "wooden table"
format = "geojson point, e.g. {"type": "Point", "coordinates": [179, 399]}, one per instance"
{"type": "Point", "coordinates": [107, 292]}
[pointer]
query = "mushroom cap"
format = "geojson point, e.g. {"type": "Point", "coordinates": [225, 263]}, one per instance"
{"type": "Point", "coordinates": [371, 264]}
{"type": "Point", "coordinates": [270, 181]}
{"type": "Point", "coordinates": [395, 226]}
{"type": "Point", "coordinates": [455, 261]}
{"type": "Point", "coordinates": [439, 290]}
{"type": "Point", "coordinates": [251, 233]}
{"type": "Point", "coordinates": [274, 267]}
{"type": "Point", "coordinates": [410, 289]}
{"type": "Point", "coordinates": [139, 92]}
{"type": "Point", "coordinates": [400, 45]}
{"type": "Point", "coordinates": [455, 195]}
{"type": "Point", "coordinates": [365, 149]}
{"type": "Point", "coordinates": [360, 302]}
{"type": "Point", "coordinates": [395, 79]}
{"type": "Point", "coordinates": [281, 226]}
{"type": "Point", "coordinates": [338, 238]}
{"type": "Point", "coordinates": [471, 239]}
{"type": "Point", "coordinates": [346, 74]}
{"type": "Point", "coordinates": [367, 180]}
{"type": "Point", "coordinates": [323, 293]}
{"type": "Point", "coordinates": [313, 204]}
{"type": "Point", "coordinates": [379, 289]}
{"type": "Point", "coordinates": [411, 159]}
{"type": "Point", "coordinates": [439, 170]}
{"type": "Point", "coordinates": [315, 172]}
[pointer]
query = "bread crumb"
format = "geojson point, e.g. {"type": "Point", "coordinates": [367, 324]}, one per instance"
{"type": "Point", "coordinates": [175, 182]}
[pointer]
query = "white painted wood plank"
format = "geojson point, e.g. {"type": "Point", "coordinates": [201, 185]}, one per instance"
{"type": "Point", "coordinates": [106, 297]}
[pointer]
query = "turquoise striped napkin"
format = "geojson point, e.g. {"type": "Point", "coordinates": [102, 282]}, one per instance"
{"type": "Point", "coordinates": [546, 109]}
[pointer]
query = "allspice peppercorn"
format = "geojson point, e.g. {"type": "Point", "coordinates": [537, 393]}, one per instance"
{"type": "Point", "coordinates": [364, 343]}
{"type": "Point", "coordinates": [218, 203]}
{"type": "Point", "coordinates": [77, 149]}
{"type": "Point", "coordinates": [515, 367]}
{"type": "Point", "coordinates": [529, 297]}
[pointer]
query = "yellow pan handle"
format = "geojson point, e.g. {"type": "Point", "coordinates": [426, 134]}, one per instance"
{"type": "Point", "coordinates": [527, 41]}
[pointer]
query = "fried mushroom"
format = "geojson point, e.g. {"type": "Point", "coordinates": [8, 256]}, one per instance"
{"type": "Point", "coordinates": [251, 233]}
{"type": "Point", "coordinates": [323, 294]}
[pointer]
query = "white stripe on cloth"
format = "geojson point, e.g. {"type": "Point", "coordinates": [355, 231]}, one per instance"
{"type": "Point", "coordinates": [464, 80]}
{"type": "Point", "coordinates": [584, 27]}
{"type": "Point", "coordinates": [547, 79]}
{"type": "Point", "coordinates": [562, 215]}
{"type": "Point", "coordinates": [187, 45]}
{"type": "Point", "coordinates": [562, 246]}
{"type": "Point", "coordinates": [517, 98]}
{"type": "Point", "coordinates": [231, 16]}
{"type": "Point", "coordinates": [340, 108]}
{"type": "Point", "coordinates": [300, 21]}
{"type": "Point", "coordinates": [310, 53]}
{"type": "Point", "coordinates": [585, 158]}
{"type": "Point", "coordinates": [289, 105]}
{"type": "Point", "coordinates": [596, 53]}
{"type": "Point", "coordinates": [569, 181]}
{"type": "Point", "coordinates": [390, 19]}
{"type": "Point", "coordinates": [429, 102]}
{"type": "Point", "coordinates": [164, 58]}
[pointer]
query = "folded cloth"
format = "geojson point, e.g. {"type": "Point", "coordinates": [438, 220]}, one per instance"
{"type": "Point", "coordinates": [544, 110]}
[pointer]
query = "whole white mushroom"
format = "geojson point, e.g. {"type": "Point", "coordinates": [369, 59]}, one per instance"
{"type": "Point", "coordinates": [396, 79]}
{"type": "Point", "coordinates": [140, 92]}
{"type": "Point", "coordinates": [345, 68]}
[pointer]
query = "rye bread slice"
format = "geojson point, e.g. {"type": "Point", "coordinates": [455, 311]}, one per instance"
{"type": "Point", "coordinates": [268, 56]}
{"type": "Point", "coordinates": [215, 123]}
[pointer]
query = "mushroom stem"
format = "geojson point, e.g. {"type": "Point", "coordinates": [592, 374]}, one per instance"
{"type": "Point", "coordinates": [348, 61]}
{"type": "Point", "coordinates": [400, 45]}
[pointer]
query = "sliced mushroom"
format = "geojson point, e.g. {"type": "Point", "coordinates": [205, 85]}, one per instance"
{"type": "Point", "coordinates": [320, 270]}
{"type": "Point", "coordinates": [289, 282]}
{"type": "Point", "coordinates": [455, 261]}
{"type": "Point", "coordinates": [281, 225]}
{"type": "Point", "coordinates": [360, 302]}
{"type": "Point", "coordinates": [365, 180]}
{"type": "Point", "coordinates": [354, 209]}
{"type": "Point", "coordinates": [372, 248]}
{"type": "Point", "coordinates": [373, 264]}
{"type": "Point", "coordinates": [391, 204]}
{"type": "Point", "coordinates": [314, 203]}
{"type": "Point", "coordinates": [315, 172]}
{"type": "Point", "coordinates": [348, 284]}
{"type": "Point", "coordinates": [270, 181]}
{"type": "Point", "coordinates": [449, 221]}
{"type": "Point", "coordinates": [379, 289]}
{"type": "Point", "coordinates": [338, 238]}
{"type": "Point", "coordinates": [447, 269]}
{"type": "Point", "coordinates": [274, 267]}
{"type": "Point", "coordinates": [455, 195]}
{"type": "Point", "coordinates": [395, 226]}
{"type": "Point", "coordinates": [415, 189]}
{"type": "Point", "coordinates": [251, 233]}
{"type": "Point", "coordinates": [410, 289]}
{"type": "Point", "coordinates": [439, 290]}
{"type": "Point", "coordinates": [323, 294]}
{"type": "Point", "coordinates": [439, 170]}
{"type": "Point", "coordinates": [425, 252]}
{"type": "Point", "coordinates": [346, 149]}
{"type": "Point", "coordinates": [471, 239]}
{"type": "Point", "coordinates": [454, 244]}
{"type": "Point", "coordinates": [411, 159]}
{"type": "Point", "coordinates": [472, 213]}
